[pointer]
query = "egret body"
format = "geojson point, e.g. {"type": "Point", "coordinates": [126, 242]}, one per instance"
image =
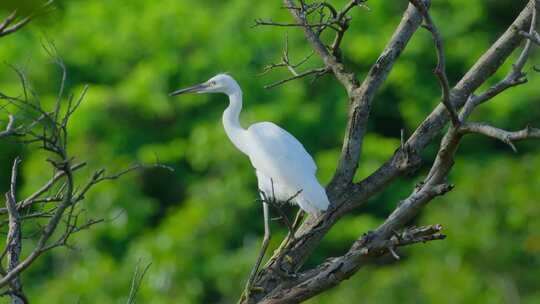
{"type": "Point", "coordinates": [285, 170]}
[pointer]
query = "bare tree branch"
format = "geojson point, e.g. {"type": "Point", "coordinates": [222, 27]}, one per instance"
{"type": "Point", "coordinates": [506, 137]}
{"type": "Point", "coordinates": [534, 36]}
{"type": "Point", "coordinates": [287, 63]}
{"type": "Point", "coordinates": [365, 250]}
{"type": "Point", "coordinates": [346, 78]}
{"type": "Point", "coordinates": [33, 198]}
{"type": "Point", "coordinates": [362, 98]}
{"type": "Point", "coordinates": [14, 243]}
{"type": "Point", "coordinates": [271, 287]}
{"type": "Point", "coordinates": [10, 130]}
{"type": "Point", "coordinates": [136, 282]}
{"type": "Point", "coordinates": [317, 72]}
{"type": "Point", "coordinates": [440, 70]}
{"type": "Point", "coordinates": [486, 66]}
{"type": "Point", "coordinates": [63, 217]}
{"type": "Point", "coordinates": [9, 27]}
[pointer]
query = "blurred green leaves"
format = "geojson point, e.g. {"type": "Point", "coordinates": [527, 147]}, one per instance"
{"type": "Point", "coordinates": [23, 7]}
{"type": "Point", "coordinates": [201, 225]}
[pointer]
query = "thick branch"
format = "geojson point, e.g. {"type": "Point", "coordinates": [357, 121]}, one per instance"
{"type": "Point", "coordinates": [335, 270]}
{"type": "Point", "coordinates": [314, 229]}
{"type": "Point", "coordinates": [488, 64]}
{"type": "Point", "coordinates": [13, 240]}
{"type": "Point", "coordinates": [405, 159]}
{"type": "Point", "coordinates": [47, 231]}
{"type": "Point", "coordinates": [433, 185]}
{"type": "Point", "coordinates": [362, 99]}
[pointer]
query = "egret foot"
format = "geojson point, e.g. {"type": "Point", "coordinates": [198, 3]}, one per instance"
{"type": "Point", "coordinates": [264, 246]}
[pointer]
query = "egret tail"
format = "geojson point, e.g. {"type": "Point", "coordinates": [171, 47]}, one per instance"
{"type": "Point", "coordinates": [313, 198]}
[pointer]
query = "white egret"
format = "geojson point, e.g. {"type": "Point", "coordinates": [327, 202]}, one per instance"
{"type": "Point", "coordinates": [285, 170]}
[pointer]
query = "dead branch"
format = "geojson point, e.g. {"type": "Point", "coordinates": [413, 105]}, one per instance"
{"type": "Point", "coordinates": [271, 287]}
{"type": "Point", "coordinates": [62, 193]}
{"type": "Point", "coordinates": [317, 72]}
{"type": "Point", "coordinates": [13, 240]}
{"type": "Point", "coordinates": [440, 70]}
{"type": "Point", "coordinates": [34, 197]}
{"type": "Point", "coordinates": [506, 137]}
{"type": "Point", "coordinates": [136, 282]}
{"type": "Point", "coordinates": [365, 250]}
{"type": "Point", "coordinates": [534, 37]}
{"type": "Point", "coordinates": [10, 25]}
{"type": "Point", "coordinates": [363, 96]}
{"type": "Point", "coordinates": [10, 130]}
{"type": "Point", "coordinates": [287, 63]}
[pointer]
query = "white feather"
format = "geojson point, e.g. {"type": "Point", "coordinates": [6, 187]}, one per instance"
{"type": "Point", "coordinates": [283, 166]}
{"type": "Point", "coordinates": [279, 158]}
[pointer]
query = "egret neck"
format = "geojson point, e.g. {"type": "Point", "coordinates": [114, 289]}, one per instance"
{"type": "Point", "coordinates": [231, 121]}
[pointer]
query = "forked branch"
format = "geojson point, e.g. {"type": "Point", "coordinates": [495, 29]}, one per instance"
{"type": "Point", "coordinates": [346, 196]}
{"type": "Point", "coordinates": [10, 24]}
{"type": "Point", "coordinates": [440, 69]}
{"type": "Point", "coordinates": [507, 137]}
{"type": "Point", "coordinates": [61, 195]}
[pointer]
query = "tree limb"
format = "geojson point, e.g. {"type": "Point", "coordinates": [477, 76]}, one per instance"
{"type": "Point", "coordinates": [345, 197]}
{"type": "Point", "coordinates": [440, 70]}
{"type": "Point", "coordinates": [506, 137]}
{"type": "Point", "coordinates": [314, 229]}
{"type": "Point", "coordinates": [10, 130]}
{"type": "Point", "coordinates": [335, 270]}
{"type": "Point", "coordinates": [8, 27]}
{"type": "Point", "coordinates": [14, 242]}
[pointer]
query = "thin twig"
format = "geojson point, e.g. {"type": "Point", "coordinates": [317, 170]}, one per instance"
{"type": "Point", "coordinates": [9, 127]}
{"type": "Point", "coordinates": [440, 69]}
{"type": "Point", "coordinates": [318, 72]}
{"type": "Point", "coordinates": [136, 282]}
{"type": "Point", "coordinates": [508, 137]}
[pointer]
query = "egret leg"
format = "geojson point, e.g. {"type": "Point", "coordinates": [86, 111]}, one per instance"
{"type": "Point", "coordinates": [290, 237]}
{"type": "Point", "coordinates": [264, 246]}
{"type": "Point", "coordinates": [298, 220]}
{"type": "Point", "coordinates": [288, 223]}
{"type": "Point", "coordinates": [273, 201]}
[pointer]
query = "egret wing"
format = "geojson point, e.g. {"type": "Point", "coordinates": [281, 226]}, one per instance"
{"type": "Point", "coordinates": [277, 153]}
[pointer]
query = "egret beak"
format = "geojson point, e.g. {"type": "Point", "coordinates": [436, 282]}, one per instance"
{"type": "Point", "coordinates": [194, 89]}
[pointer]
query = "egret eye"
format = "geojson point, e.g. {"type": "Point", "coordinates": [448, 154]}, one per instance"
{"type": "Point", "coordinates": [212, 83]}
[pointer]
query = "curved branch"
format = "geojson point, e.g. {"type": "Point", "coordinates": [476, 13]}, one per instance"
{"type": "Point", "coordinates": [346, 197]}
{"type": "Point", "coordinates": [345, 77]}
{"type": "Point", "coordinates": [314, 229]}
{"type": "Point", "coordinates": [7, 27]}
{"type": "Point", "coordinates": [440, 70]}
{"type": "Point", "coordinates": [362, 98]}
{"type": "Point", "coordinates": [507, 137]}
{"type": "Point", "coordinates": [9, 128]}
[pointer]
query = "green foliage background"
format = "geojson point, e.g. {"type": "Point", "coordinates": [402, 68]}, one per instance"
{"type": "Point", "coordinates": [200, 226]}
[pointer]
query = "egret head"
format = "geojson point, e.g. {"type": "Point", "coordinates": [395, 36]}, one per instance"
{"type": "Point", "coordinates": [221, 83]}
